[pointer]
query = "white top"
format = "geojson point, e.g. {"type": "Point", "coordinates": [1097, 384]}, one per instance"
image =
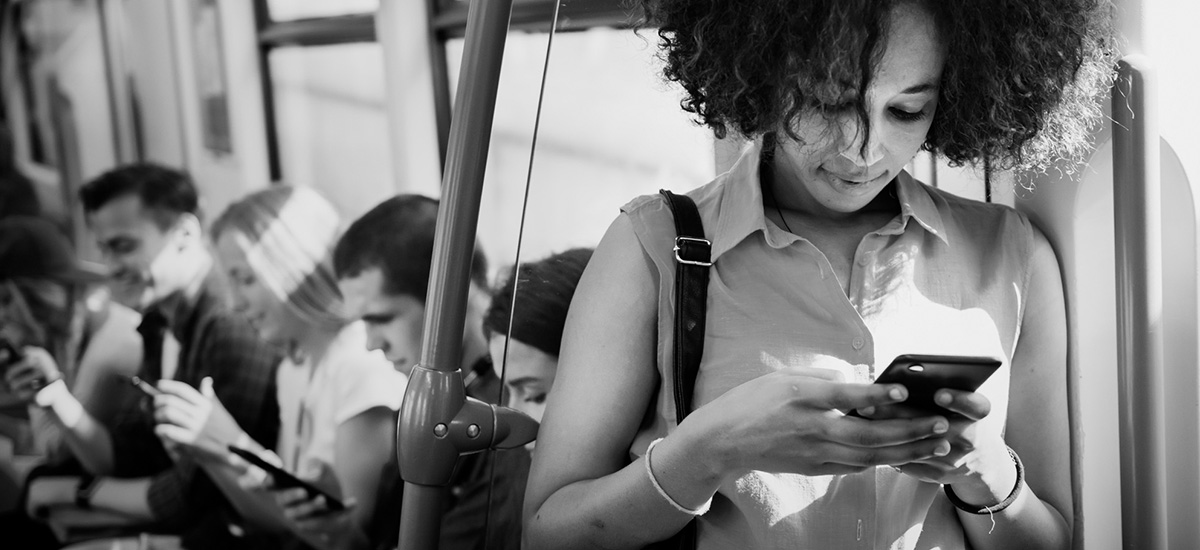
{"type": "Point", "coordinates": [314, 400]}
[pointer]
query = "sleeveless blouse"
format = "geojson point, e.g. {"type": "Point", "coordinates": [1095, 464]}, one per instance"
{"type": "Point", "coordinates": [946, 276]}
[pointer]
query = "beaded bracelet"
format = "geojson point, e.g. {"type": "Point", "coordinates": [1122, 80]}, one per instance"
{"type": "Point", "coordinates": [981, 510]}
{"type": "Point", "coordinates": [650, 472]}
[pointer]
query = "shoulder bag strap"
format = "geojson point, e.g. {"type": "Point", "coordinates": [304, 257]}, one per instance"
{"type": "Point", "coordinates": [693, 258]}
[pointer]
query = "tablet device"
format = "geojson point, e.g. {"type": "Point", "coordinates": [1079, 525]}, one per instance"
{"type": "Point", "coordinates": [285, 479]}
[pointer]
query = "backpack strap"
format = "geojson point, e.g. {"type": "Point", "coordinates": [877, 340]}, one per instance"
{"type": "Point", "coordinates": [693, 258]}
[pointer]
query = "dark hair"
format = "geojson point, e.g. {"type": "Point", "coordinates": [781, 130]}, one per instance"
{"type": "Point", "coordinates": [1019, 87]}
{"type": "Point", "coordinates": [397, 237]}
{"type": "Point", "coordinates": [544, 294]}
{"type": "Point", "coordinates": [165, 192]}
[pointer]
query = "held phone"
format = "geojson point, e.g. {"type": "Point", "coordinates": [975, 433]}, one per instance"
{"type": "Point", "coordinates": [285, 479]}
{"type": "Point", "coordinates": [142, 385]}
{"type": "Point", "coordinates": [924, 375]}
{"type": "Point", "coordinates": [9, 354]}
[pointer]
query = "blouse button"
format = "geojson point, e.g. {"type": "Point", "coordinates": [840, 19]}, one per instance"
{"type": "Point", "coordinates": [857, 342]}
{"type": "Point", "coordinates": [864, 260]}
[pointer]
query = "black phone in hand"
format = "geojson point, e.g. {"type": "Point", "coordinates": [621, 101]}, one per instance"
{"type": "Point", "coordinates": [285, 479]}
{"type": "Point", "coordinates": [9, 354]}
{"type": "Point", "coordinates": [924, 375]}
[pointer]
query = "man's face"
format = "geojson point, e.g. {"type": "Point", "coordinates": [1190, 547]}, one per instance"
{"type": "Point", "coordinates": [395, 323]}
{"type": "Point", "coordinates": [138, 252]}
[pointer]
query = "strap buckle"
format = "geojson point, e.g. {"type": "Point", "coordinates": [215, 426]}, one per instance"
{"type": "Point", "coordinates": [680, 245]}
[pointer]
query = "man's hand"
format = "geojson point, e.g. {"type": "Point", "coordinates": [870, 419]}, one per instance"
{"type": "Point", "coordinates": [194, 419]}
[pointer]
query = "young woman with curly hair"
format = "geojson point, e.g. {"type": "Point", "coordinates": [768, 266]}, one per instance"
{"type": "Point", "coordinates": [829, 261]}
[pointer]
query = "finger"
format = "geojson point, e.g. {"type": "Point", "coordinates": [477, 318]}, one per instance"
{"type": "Point", "coordinates": [883, 456]}
{"type": "Point", "coordinates": [969, 404]}
{"type": "Point", "coordinates": [173, 434]}
{"type": "Point", "coordinates": [174, 415]}
{"type": "Point", "coordinates": [20, 377]}
{"type": "Point", "coordinates": [292, 497]}
{"type": "Point", "coordinates": [846, 397]}
{"type": "Point", "coordinates": [924, 472]}
{"type": "Point", "coordinates": [206, 388]}
{"type": "Point", "coordinates": [898, 410]}
{"type": "Point", "coordinates": [306, 509]}
{"type": "Point", "coordinates": [858, 432]}
{"type": "Point", "coordinates": [828, 375]}
{"type": "Point", "coordinates": [254, 478]}
{"type": "Point", "coordinates": [180, 390]}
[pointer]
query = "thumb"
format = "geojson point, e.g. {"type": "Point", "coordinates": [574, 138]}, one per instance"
{"type": "Point", "coordinates": [206, 388]}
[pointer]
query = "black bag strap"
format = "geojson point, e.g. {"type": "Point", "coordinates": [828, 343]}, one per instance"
{"type": "Point", "coordinates": [693, 258]}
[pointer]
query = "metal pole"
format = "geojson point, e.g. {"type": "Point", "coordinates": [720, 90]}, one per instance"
{"type": "Point", "coordinates": [1137, 211]}
{"type": "Point", "coordinates": [427, 431]}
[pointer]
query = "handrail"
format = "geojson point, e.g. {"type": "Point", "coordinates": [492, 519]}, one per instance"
{"type": "Point", "coordinates": [437, 421]}
{"type": "Point", "coordinates": [1137, 198]}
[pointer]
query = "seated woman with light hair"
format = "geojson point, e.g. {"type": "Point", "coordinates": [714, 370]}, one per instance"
{"type": "Point", "coordinates": [336, 399]}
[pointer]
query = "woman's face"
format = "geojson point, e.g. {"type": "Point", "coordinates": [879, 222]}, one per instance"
{"type": "Point", "coordinates": [273, 320]}
{"type": "Point", "coordinates": [836, 175]}
{"type": "Point", "coordinates": [529, 374]}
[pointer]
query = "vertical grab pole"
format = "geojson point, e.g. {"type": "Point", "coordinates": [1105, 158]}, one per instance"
{"type": "Point", "coordinates": [435, 391]}
{"type": "Point", "coordinates": [1137, 200]}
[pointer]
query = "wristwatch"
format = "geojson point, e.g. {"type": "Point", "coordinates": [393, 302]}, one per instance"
{"type": "Point", "coordinates": [84, 491]}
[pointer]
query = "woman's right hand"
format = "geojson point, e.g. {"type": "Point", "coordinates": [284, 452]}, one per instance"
{"type": "Point", "coordinates": [793, 421]}
{"type": "Point", "coordinates": [27, 376]}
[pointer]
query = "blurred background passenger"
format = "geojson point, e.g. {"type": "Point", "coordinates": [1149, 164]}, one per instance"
{"type": "Point", "coordinates": [63, 332]}
{"type": "Point", "coordinates": [336, 398]}
{"type": "Point", "coordinates": [17, 194]}
{"type": "Point", "coordinates": [544, 291]}
{"type": "Point", "coordinates": [382, 263]}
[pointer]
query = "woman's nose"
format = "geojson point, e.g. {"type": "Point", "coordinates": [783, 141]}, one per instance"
{"type": "Point", "coordinates": [855, 133]}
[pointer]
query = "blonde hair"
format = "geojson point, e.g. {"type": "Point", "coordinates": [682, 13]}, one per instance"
{"type": "Point", "coordinates": [288, 234]}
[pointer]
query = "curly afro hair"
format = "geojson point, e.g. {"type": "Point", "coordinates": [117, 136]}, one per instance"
{"type": "Point", "coordinates": [1020, 87]}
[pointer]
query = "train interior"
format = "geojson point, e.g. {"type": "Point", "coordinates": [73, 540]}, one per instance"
{"type": "Point", "coordinates": [354, 98]}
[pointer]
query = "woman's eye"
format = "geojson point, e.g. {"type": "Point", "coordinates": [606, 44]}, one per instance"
{"type": "Point", "coordinates": [907, 116]}
{"type": "Point", "coordinates": [536, 399]}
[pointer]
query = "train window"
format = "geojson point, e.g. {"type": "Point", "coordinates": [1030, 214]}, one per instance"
{"type": "Point", "coordinates": [331, 120]}
{"type": "Point", "coordinates": [611, 130]}
{"type": "Point", "coordinates": [286, 10]}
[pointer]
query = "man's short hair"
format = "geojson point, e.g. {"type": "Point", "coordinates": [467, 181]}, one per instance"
{"type": "Point", "coordinates": [167, 193]}
{"type": "Point", "coordinates": [397, 238]}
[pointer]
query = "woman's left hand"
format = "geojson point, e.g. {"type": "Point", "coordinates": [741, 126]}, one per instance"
{"type": "Point", "coordinates": [978, 460]}
{"type": "Point", "coordinates": [194, 419]}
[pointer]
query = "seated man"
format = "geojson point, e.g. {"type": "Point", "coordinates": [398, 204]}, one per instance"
{"type": "Point", "coordinates": [382, 263]}
{"type": "Point", "coordinates": [145, 219]}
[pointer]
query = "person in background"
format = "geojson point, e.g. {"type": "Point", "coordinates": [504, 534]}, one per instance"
{"type": "Point", "coordinates": [146, 222]}
{"type": "Point", "coordinates": [64, 333]}
{"type": "Point", "coordinates": [539, 311]}
{"type": "Point", "coordinates": [382, 263]}
{"type": "Point", "coordinates": [829, 260]}
{"type": "Point", "coordinates": [18, 197]}
{"type": "Point", "coordinates": [337, 400]}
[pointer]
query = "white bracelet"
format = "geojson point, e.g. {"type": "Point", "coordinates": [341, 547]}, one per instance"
{"type": "Point", "coordinates": [650, 472]}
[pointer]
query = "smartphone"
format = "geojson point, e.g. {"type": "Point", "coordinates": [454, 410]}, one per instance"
{"type": "Point", "coordinates": [145, 387]}
{"type": "Point", "coordinates": [10, 354]}
{"type": "Point", "coordinates": [924, 375]}
{"type": "Point", "coordinates": [285, 479]}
